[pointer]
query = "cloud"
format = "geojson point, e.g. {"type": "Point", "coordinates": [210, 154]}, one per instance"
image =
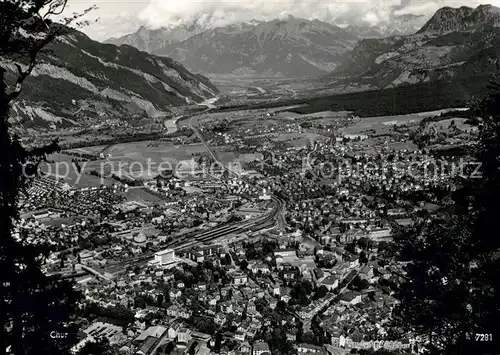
{"type": "Point", "coordinates": [430, 7]}
{"type": "Point", "coordinates": [111, 18]}
{"type": "Point", "coordinates": [219, 13]}
{"type": "Point", "coordinates": [213, 13]}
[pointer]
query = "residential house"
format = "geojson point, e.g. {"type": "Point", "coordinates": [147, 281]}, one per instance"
{"type": "Point", "coordinates": [240, 335]}
{"type": "Point", "coordinates": [175, 293]}
{"type": "Point", "coordinates": [310, 349]}
{"type": "Point", "coordinates": [380, 233]}
{"type": "Point", "coordinates": [173, 311]}
{"type": "Point", "coordinates": [291, 335]}
{"type": "Point", "coordinates": [220, 319]}
{"type": "Point", "coordinates": [255, 268]}
{"type": "Point", "coordinates": [285, 294]}
{"type": "Point", "coordinates": [201, 287]}
{"type": "Point", "coordinates": [289, 274]}
{"type": "Point", "coordinates": [245, 348]}
{"type": "Point", "coordinates": [330, 282]}
{"type": "Point", "coordinates": [225, 290]}
{"type": "Point", "coordinates": [197, 256]}
{"type": "Point", "coordinates": [351, 298]}
{"type": "Point", "coordinates": [185, 313]}
{"type": "Point", "coordinates": [353, 261]}
{"type": "Point", "coordinates": [274, 289]}
{"type": "Point", "coordinates": [183, 335]}
{"type": "Point", "coordinates": [239, 278]}
{"type": "Point", "coordinates": [366, 273]}
{"type": "Point", "coordinates": [173, 330]}
{"type": "Point", "coordinates": [226, 307]}
{"type": "Point", "coordinates": [260, 347]}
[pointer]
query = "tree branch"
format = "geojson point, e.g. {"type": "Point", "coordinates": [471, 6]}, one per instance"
{"type": "Point", "coordinates": [55, 9]}
{"type": "Point", "coordinates": [23, 74]}
{"type": "Point", "coordinates": [53, 33]}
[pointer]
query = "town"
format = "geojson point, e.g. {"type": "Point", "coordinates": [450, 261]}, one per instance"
{"type": "Point", "coordinates": [274, 236]}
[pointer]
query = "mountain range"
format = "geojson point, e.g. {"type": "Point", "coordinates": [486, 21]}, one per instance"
{"type": "Point", "coordinates": [155, 40]}
{"type": "Point", "coordinates": [81, 81]}
{"type": "Point", "coordinates": [456, 43]}
{"type": "Point", "coordinates": [292, 47]}
{"type": "Point", "coordinates": [453, 43]}
{"type": "Point", "coordinates": [78, 80]}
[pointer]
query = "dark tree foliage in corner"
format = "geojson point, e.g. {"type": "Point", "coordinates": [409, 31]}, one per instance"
{"type": "Point", "coordinates": [452, 288]}
{"type": "Point", "coordinates": [32, 304]}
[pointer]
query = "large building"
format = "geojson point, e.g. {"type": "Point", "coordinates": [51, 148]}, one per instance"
{"type": "Point", "coordinates": [99, 329]}
{"type": "Point", "coordinates": [164, 258]}
{"type": "Point", "coordinates": [379, 234]}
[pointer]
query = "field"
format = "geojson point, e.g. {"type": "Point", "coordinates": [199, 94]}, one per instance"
{"type": "Point", "coordinates": [299, 139]}
{"type": "Point", "coordinates": [156, 151]}
{"type": "Point", "coordinates": [138, 160]}
{"type": "Point", "coordinates": [371, 142]}
{"type": "Point", "coordinates": [90, 150]}
{"type": "Point", "coordinates": [395, 101]}
{"type": "Point", "coordinates": [146, 159]}
{"type": "Point", "coordinates": [61, 166]}
{"type": "Point", "coordinates": [141, 195]}
{"type": "Point", "coordinates": [383, 124]}
{"type": "Point", "coordinates": [248, 84]}
{"type": "Point", "coordinates": [326, 116]}
{"type": "Point", "coordinates": [444, 125]}
{"type": "Point", "coordinates": [230, 157]}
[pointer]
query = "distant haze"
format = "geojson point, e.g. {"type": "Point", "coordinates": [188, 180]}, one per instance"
{"type": "Point", "coordinates": [119, 17]}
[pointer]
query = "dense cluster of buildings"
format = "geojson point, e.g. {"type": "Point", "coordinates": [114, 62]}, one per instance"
{"type": "Point", "coordinates": [319, 279]}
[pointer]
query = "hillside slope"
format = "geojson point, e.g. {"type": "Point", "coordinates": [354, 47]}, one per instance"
{"type": "Point", "coordinates": [455, 43]}
{"type": "Point", "coordinates": [79, 81]}
{"type": "Point", "coordinates": [155, 40]}
{"type": "Point", "coordinates": [293, 47]}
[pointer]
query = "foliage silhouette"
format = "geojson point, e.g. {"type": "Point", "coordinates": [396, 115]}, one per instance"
{"type": "Point", "coordinates": [35, 308]}
{"type": "Point", "coordinates": [451, 287]}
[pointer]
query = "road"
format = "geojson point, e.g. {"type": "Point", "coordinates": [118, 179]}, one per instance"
{"type": "Point", "coordinates": [260, 223]}
{"type": "Point", "coordinates": [279, 212]}
{"type": "Point", "coordinates": [263, 222]}
{"type": "Point", "coordinates": [94, 272]}
{"type": "Point", "coordinates": [280, 204]}
{"type": "Point", "coordinates": [209, 150]}
{"type": "Point", "coordinates": [307, 322]}
{"type": "Point", "coordinates": [267, 220]}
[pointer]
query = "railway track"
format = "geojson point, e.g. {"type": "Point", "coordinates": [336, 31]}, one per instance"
{"type": "Point", "coordinates": [267, 221]}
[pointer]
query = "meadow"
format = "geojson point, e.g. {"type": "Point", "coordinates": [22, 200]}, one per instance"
{"type": "Point", "coordinates": [142, 195]}
{"type": "Point", "coordinates": [383, 124]}
{"type": "Point", "coordinates": [138, 160]}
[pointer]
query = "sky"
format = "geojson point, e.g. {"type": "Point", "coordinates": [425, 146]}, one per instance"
{"type": "Point", "coordinates": [114, 18]}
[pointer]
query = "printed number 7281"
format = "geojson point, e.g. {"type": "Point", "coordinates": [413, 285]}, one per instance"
{"type": "Point", "coordinates": [484, 337]}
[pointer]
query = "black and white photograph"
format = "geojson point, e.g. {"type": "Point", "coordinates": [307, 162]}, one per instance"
{"type": "Point", "coordinates": [249, 177]}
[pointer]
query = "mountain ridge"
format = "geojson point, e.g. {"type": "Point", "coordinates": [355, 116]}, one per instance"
{"type": "Point", "coordinates": [448, 19]}
{"type": "Point", "coordinates": [154, 40]}
{"type": "Point", "coordinates": [291, 47]}
{"type": "Point", "coordinates": [228, 49]}
{"type": "Point", "coordinates": [455, 42]}
{"type": "Point", "coordinates": [91, 82]}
